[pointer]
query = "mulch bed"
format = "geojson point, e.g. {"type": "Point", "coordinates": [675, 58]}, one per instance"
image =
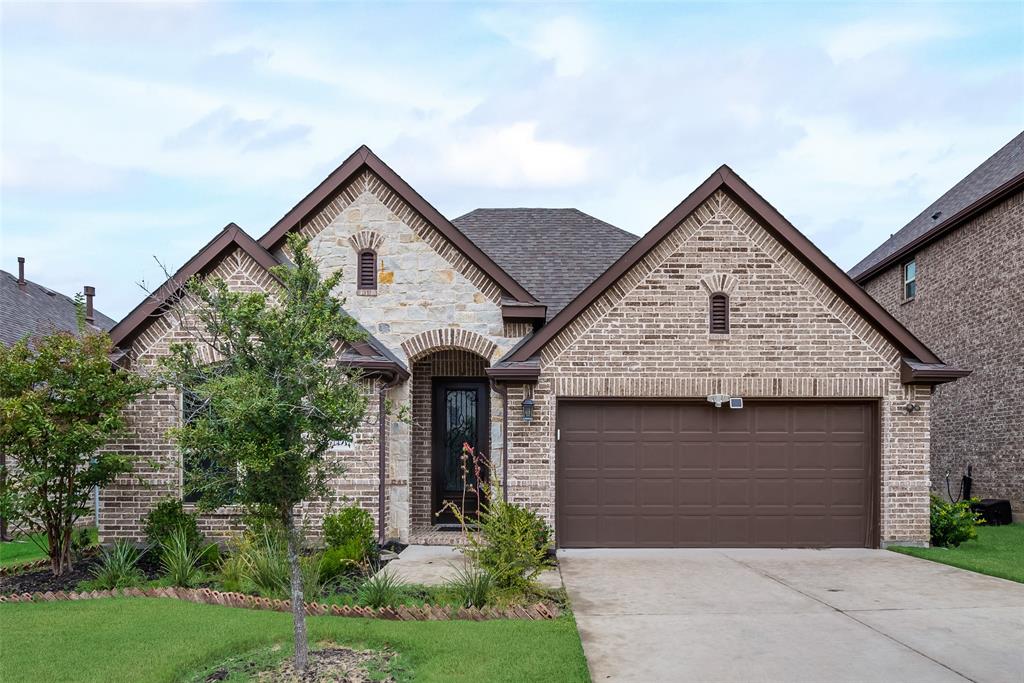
{"type": "Point", "coordinates": [330, 664]}
{"type": "Point", "coordinates": [42, 580]}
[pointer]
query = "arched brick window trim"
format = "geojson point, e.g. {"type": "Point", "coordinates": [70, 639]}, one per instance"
{"type": "Point", "coordinates": [718, 313]}
{"type": "Point", "coordinates": [367, 270]}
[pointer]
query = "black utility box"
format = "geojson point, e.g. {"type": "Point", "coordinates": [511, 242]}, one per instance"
{"type": "Point", "coordinates": [994, 511]}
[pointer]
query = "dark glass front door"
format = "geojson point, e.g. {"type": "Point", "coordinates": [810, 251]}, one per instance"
{"type": "Point", "coordinates": [460, 416]}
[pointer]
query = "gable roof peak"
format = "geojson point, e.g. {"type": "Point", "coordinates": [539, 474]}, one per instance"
{"type": "Point", "coordinates": [770, 219]}
{"type": "Point", "coordinates": [364, 158]}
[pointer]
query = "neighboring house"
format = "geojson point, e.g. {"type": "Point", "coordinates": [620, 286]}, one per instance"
{"type": "Point", "coordinates": [580, 358]}
{"type": "Point", "coordinates": [953, 276]}
{"type": "Point", "coordinates": [28, 309]}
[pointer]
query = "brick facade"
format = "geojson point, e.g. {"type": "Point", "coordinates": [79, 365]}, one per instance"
{"type": "Point", "coordinates": [790, 336]}
{"type": "Point", "coordinates": [969, 310]}
{"type": "Point", "coordinates": [432, 307]}
{"type": "Point", "coordinates": [647, 336]}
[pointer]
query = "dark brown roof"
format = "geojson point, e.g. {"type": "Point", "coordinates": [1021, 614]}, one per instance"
{"type": "Point", "coordinates": [1000, 175]}
{"type": "Point", "coordinates": [37, 310]}
{"type": "Point", "coordinates": [554, 253]}
{"type": "Point", "coordinates": [771, 220]}
{"type": "Point", "coordinates": [349, 169]}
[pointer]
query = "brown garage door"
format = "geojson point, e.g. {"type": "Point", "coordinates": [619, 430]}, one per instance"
{"type": "Point", "coordinates": [773, 474]}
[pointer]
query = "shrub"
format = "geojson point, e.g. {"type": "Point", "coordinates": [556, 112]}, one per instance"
{"type": "Point", "coordinates": [513, 545]}
{"type": "Point", "coordinates": [471, 586]}
{"type": "Point", "coordinates": [118, 567]}
{"type": "Point", "coordinates": [380, 590]}
{"type": "Point", "coordinates": [350, 528]}
{"type": "Point", "coordinates": [181, 563]}
{"type": "Point", "coordinates": [312, 577]}
{"type": "Point", "coordinates": [952, 523]}
{"type": "Point", "coordinates": [265, 564]}
{"type": "Point", "coordinates": [232, 572]}
{"type": "Point", "coordinates": [165, 519]}
{"type": "Point", "coordinates": [336, 563]}
{"type": "Point", "coordinates": [508, 540]}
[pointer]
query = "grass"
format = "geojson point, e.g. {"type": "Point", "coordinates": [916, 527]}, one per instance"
{"type": "Point", "coordinates": [125, 639]}
{"type": "Point", "coordinates": [998, 551]}
{"type": "Point", "coordinates": [29, 548]}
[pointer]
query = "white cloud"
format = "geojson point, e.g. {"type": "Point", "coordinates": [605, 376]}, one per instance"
{"type": "Point", "coordinates": [565, 41]}
{"type": "Point", "coordinates": [858, 40]}
{"type": "Point", "coordinates": [511, 156]}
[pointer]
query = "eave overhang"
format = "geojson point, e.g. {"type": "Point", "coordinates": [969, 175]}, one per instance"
{"type": "Point", "coordinates": [914, 372]}
{"type": "Point", "coordinates": [523, 312]}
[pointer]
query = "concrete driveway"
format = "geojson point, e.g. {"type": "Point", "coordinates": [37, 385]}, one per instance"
{"type": "Point", "coordinates": [791, 615]}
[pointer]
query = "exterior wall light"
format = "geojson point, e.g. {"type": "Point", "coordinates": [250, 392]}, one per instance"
{"type": "Point", "coordinates": [528, 407]}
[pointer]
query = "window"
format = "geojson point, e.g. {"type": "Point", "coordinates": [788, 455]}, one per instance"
{"type": "Point", "coordinates": [367, 278]}
{"type": "Point", "coordinates": [196, 471]}
{"type": "Point", "coordinates": [719, 313]}
{"type": "Point", "coordinates": [910, 280]}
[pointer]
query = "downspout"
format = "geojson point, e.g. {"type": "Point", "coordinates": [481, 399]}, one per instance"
{"type": "Point", "coordinates": [382, 449]}
{"type": "Point", "coordinates": [504, 437]}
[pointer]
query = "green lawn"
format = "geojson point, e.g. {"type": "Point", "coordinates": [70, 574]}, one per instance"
{"type": "Point", "coordinates": [998, 551]}
{"type": "Point", "coordinates": [24, 549]}
{"type": "Point", "coordinates": [165, 640]}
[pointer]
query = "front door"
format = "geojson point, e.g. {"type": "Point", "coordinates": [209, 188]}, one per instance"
{"type": "Point", "coordinates": [460, 416]}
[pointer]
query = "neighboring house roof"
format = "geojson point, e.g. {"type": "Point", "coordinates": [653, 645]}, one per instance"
{"type": "Point", "coordinates": [554, 253]}
{"type": "Point", "coordinates": [999, 176]}
{"type": "Point", "coordinates": [349, 169]}
{"type": "Point", "coordinates": [771, 220]}
{"type": "Point", "coordinates": [37, 310]}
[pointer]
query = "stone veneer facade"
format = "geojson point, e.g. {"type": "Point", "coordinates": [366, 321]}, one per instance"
{"type": "Point", "coordinates": [970, 311]}
{"type": "Point", "coordinates": [432, 307]}
{"type": "Point", "coordinates": [790, 336]}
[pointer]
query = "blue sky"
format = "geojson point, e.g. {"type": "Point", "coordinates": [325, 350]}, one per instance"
{"type": "Point", "coordinates": [132, 133]}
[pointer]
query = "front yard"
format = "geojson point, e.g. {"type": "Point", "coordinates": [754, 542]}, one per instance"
{"type": "Point", "coordinates": [146, 639]}
{"type": "Point", "coordinates": [998, 551]}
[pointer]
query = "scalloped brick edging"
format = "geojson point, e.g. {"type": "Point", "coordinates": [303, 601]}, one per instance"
{"type": "Point", "coordinates": [538, 611]}
{"type": "Point", "coordinates": [12, 569]}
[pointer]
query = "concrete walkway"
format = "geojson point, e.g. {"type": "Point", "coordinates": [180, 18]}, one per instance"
{"type": "Point", "coordinates": [433, 565]}
{"type": "Point", "coordinates": [791, 615]}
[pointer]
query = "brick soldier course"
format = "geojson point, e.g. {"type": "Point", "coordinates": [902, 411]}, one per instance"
{"type": "Point", "coordinates": [443, 309]}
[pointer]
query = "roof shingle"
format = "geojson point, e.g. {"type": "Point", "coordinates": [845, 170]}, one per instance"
{"type": "Point", "coordinates": [553, 253]}
{"type": "Point", "coordinates": [37, 310]}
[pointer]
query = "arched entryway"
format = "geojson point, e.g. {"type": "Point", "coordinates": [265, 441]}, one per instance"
{"type": "Point", "coordinates": [452, 403]}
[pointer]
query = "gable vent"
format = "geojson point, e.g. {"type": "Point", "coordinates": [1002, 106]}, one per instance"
{"type": "Point", "coordinates": [719, 313]}
{"type": "Point", "coordinates": [367, 270]}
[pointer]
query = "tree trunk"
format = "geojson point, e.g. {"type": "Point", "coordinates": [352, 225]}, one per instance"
{"type": "Point", "coordinates": [298, 604]}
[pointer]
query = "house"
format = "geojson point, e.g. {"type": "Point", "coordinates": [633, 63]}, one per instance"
{"type": "Point", "coordinates": [581, 359]}
{"type": "Point", "coordinates": [952, 276]}
{"type": "Point", "coordinates": [28, 309]}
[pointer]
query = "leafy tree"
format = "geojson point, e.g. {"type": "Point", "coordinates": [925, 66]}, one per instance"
{"type": "Point", "coordinates": [61, 401]}
{"type": "Point", "coordinates": [272, 402]}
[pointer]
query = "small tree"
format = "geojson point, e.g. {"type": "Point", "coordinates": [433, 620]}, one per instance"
{"type": "Point", "coordinates": [271, 401]}
{"type": "Point", "coordinates": [61, 400]}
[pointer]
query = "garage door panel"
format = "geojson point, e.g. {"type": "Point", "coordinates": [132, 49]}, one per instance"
{"type": "Point", "coordinates": [658, 457]}
{"type": "Point", "coordinates": [733, 456]}
{"type": "Point", "coordinates": [686, 474]}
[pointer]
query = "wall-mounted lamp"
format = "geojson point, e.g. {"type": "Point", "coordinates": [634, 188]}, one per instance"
{"type": "Point", "coordinates": [528, 406]}
{"type": "Point", "coordinates": [911, 408]}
